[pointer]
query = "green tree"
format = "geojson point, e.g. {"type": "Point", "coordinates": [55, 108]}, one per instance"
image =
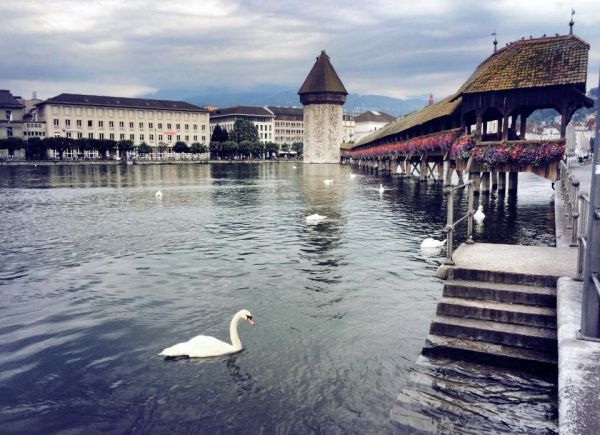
{"type": "Point", "coordinates": [124, 146]}
{"type": "Point", "coordinates": [219, 134]}
{"type": "Point", "coordinates": [271, 149]}
{"type": "Point", "coordinates": [229, 149]}
{"type": "Point", "coordinates": [285, 148]}
{"type": "Point", "coordinates": [258, 149]}
{"type": "Point", "coordinates": [35, 149]}
{"type": "Point", "coordinates": [59, 144]}
{"type": "Point", "coordinates": [144, 148]}
{"type": "Point", "coordinates": [198, 148]}
{"type": "Point", "coordinates": [243, 130]}
{"type": "Point", "coordinates": [245, 148]}
{"type": "Point", "coordinates": [181, 147]}
{"type": "Point", "coordinates": [12, 144]}
{"type": "Point", "coordinates": [104, 147]}
{"type": "Point", "coordinates": [215, 150]}
{"type": "Point", "coordinates": [298, 147]}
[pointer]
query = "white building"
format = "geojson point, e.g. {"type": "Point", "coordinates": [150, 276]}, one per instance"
{"type": "Point", "coordinates": [157, 123]}
{"type": "Point", "coordinates": [11, 115]}
{"type": "Point", "coordinates": [349, 126]}
{"type": "Point", "coordinates": [289, 124]}
{"type": "Point", "coordinates": [262, 118]}
{"type": "Point", "coordinates": [370, 121]}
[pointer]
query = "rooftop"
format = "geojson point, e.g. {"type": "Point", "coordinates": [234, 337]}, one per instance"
{"type": "Point", "coordinates": [129, 103]}
{"type": "Point", "coordinates": [286, 111]}
{"type": "Point", "coordinates": [241, 110]}
{"type": "Point", "coordinates": [374, 116]}
{"type": "Point", "coordinates": [7, 100]}
{"type": "Point", "coordinates": [322, 78]}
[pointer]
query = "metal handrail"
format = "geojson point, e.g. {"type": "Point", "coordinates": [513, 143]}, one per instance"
{"type": "Point", "coordinates": [583, 211]}
{"type": "Point", "coordinates": [569, 186]}
{"type": "Point", "coordinates": [451, 223]}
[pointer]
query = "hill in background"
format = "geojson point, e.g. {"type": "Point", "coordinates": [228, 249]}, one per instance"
{"type": "Point", "coordinates": [355, 103]}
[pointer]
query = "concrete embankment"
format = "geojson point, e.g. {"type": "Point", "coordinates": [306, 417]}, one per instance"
{"type": "Point", "coordinates": [137, 162]}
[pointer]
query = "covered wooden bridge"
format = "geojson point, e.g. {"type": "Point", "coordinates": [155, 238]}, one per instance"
{"type": "Point", "coordinates": [481, 128]}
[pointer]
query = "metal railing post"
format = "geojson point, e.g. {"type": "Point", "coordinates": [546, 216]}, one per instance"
{"type": "Point", "coordinates": [470, 212]}
{"type": "Point", "coordinates": [450, 227]}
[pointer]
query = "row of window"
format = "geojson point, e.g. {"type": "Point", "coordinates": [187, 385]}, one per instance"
{"type": "Point", "coordinates": [34, 133]}
{"type": "Point", "coordinates": [111, 124]}
{"type": "Point", "coordinates": [122, 136]}
{"type": "Point", "coordinates": [120, 113]}
{"type": "Point", "coordinates": [288, 124]}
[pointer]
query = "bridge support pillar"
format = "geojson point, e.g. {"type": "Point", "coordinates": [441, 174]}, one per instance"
{"type": "Point", "coordinates": [476, 181]}
{"type": "Point", "coordinates": [501, 181]}
{"type": "Point", "coordinates": [513, 181]}
{"type": "Point", "coordinates": [485, 182]}
{"type": "Point", "coordinates": [440, 171]}
{"type": "Point", "coordinates": [423, 169]}
{"type": "Point", "coordinates": [448, 173]}
{"type": "Point", "coordinates": [459, 173]}
{"type": "Point", "coordinates": [495, 176]}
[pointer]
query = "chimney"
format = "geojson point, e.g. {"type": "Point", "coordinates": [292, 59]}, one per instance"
{"type": "Point", "coordinates": [430, 100]}
{"type": "Point", "coordinates": [34, 95]}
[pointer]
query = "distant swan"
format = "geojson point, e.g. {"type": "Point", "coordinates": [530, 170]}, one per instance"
{"type": "Point", "coordinates": [203, 346]}
{"type": "Point", "coordinates": [328, 182]}
{"type": "Point", "coordinates": [381, 189]}
{"type": "Point", "coordinates": [293, 167]}
{"type": "Point", "coordinates": [315, 218]}
{"type": "Point", "coordinates": [159, 194]}
{"type": "Point", "coordinates": [352, 175]}
{"type": "Point", "coordinates": [479, 215]}
{"type": "Point", "coordinates": [432, 243]}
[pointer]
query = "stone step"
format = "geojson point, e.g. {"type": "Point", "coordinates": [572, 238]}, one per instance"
{"type": "Point", "coordinates": [459, 273]}
{"type": "Point", "coordinates": [488, 353]}
{"type": "Point", "coordinates": [530, 337]}
{"type": "Point", "coordinates": [498, 312]}
{"type": "Point", "coordinates": [501, 292]}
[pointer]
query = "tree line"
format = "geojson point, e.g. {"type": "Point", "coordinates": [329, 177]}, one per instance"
{"type": "Point", "coordinates": [243, 142]}
{"type": "Point", "coordinates": [37, 148]}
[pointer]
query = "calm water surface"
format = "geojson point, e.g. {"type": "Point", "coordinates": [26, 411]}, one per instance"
{"type": "Point", "coordinates": [97, 276]}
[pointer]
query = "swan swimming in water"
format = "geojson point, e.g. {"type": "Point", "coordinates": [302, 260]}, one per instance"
{"type": "Point", "coordinates": [352, 175]}
{"type": "Point", "coordinates": [479, 215]}
{"type": "Point", "coordinates": [328, 182]}
{"type": "Point", "coordinates": [432, 243]}
{"type": "Point", "coordinates": [203, 346]}
{"type": "Point", "coordinates": [315, 218]}
{"type": "Point", "coordinates": [381, 189]}
{"type": "Point", "coordinates": [159, 194]}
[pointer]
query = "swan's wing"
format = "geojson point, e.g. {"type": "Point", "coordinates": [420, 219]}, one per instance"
{"type": "Point", "coordinates": [200, 346]}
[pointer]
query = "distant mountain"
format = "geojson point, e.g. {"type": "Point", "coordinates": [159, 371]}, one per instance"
{"type": "Point", "coordinates": [355, 103]}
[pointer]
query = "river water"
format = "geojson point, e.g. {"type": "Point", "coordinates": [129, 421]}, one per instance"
{"type": "Point", "coordinates": [97, 276]}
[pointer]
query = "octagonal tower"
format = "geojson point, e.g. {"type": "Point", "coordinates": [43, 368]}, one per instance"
{"type": "Point", "coordinates": [323, 96]}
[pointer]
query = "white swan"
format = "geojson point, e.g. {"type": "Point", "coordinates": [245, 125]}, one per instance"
{"type": "Point", "coordinates": [315, 218]}
{"type": "Point", "coordinates": [328, 182]}
{"type": "Point", "coordinates": [293, 167]}
{"type": "Point", "coordinates": [479, 215]}
{"type": "Point", "coordinates": [352, 175]}
{"type": "Point", "coordinates": [159, 194]}
{"type": "Point", "coordinates": [381, 189]}
{"type": "Point", "coordinates": [203, 346]}
{"type": "Point", "coordinates": [432, 243]}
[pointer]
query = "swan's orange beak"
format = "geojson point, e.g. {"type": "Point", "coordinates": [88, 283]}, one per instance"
{"type": "Point", "coordinates": [251, 322]}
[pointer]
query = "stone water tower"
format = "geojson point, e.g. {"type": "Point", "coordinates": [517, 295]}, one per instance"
{"type": "Point", "coordinates": [323, 96]}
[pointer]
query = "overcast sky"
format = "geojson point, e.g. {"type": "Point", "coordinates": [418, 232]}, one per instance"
{"type": "Point", "coordinates": [399, 48]}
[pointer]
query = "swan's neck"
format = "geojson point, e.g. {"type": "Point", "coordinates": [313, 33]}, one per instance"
{"type": "Point", "coordinates": [233, 333]}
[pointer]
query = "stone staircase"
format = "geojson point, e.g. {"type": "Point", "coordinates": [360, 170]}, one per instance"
{"type": "Point", "coordinates": [498, 318]}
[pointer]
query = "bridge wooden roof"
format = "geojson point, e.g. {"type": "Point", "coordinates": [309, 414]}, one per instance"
{"type": "Point", "coordinates": [530, 63]}
{"type": "Point", "coordinates": [444, 107]}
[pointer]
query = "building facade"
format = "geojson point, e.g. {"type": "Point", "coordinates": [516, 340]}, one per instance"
{"type": "Point", "coordinates": [262, 118]}
{"type": "Point", "coordinates": [11, 115]}
{"type": "Point", "coordinates": [289, 125]}
{"type": "Point", "coordinates": [370, 121]}
{"type": "Point", "coordinates": [157, 123]}
{"type": "Point", "coordinates": [349, 126]}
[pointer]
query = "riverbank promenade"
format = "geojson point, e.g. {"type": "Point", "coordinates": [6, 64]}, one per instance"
{"type": "Point", "coordinates": [578, 360]}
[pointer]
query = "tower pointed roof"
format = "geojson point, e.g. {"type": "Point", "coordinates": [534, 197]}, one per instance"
{"type": "Point", "coordinates": [322, 85]}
